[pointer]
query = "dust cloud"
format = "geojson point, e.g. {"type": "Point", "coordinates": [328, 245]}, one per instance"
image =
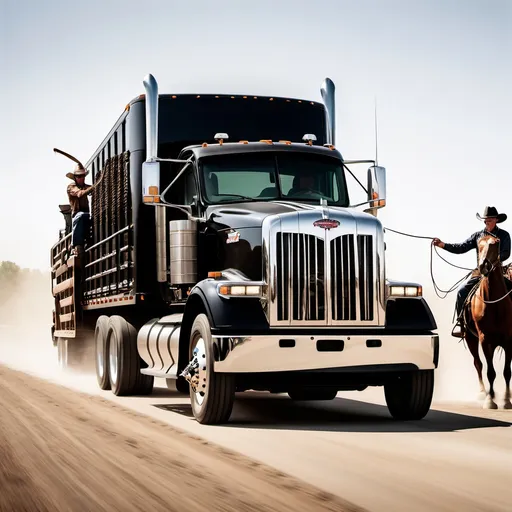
{"type": "Point", "coordinates": [26, 306]}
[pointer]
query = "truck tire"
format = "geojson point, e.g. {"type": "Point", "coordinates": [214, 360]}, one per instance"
{"type": "Point", "coordinates": [213, 402]}
{"type": "Point", "coordinates": [313, 394]}
{"type": "Point", "coordinates": [409, 396]}
{"type": "Point", "coordinates": [101, 352]}
{"type": "Point", "coordinates": [124, 361]}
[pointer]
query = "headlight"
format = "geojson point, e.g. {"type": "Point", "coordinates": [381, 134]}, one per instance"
{"type": "Point", "coordinates": [405, 291]}
{"type": "Point", "coordinates": [238, 290]}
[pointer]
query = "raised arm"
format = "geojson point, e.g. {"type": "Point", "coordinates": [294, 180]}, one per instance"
{"type": "Point", "coordinates": [461, 248]}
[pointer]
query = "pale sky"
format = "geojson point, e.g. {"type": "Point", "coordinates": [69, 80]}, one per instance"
{"type": "Point", "coordinates": [439, 70]}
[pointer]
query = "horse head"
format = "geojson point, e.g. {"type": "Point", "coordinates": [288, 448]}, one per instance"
{"type": "Point", "coordinates": [488, 254]}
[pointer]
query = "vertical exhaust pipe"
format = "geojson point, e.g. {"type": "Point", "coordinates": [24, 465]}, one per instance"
{"type": "Point", "coordinates": [327, 91]}
{"type": "Point", "coordinates": [151, 118]}
{"type": "Point", "coordinates": [151, 175]}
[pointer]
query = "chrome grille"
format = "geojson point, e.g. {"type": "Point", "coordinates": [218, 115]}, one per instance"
{"type": "Point", "coordinates": [348, 292]}
{"type": "Point", "coordinates": [325, 286]}
{"type": "Point", "coordinates": [300, 277]}
{"type": "Point", "coordinates": [343, 283]}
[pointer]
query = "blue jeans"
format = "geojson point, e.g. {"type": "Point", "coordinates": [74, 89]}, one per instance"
{"type": "Point", "coordinates": [463, 292]}
{"type": "Point", "coordinates": [81, 227]}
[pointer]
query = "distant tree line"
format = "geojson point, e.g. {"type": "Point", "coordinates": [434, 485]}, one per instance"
{"type": "Point", "coordinates": [13, 278]}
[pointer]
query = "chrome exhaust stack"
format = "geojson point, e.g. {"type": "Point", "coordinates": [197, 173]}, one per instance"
{"type": "Point", "coordinates": [327, 91]}
{"type": "Point", "coordinates": [151, 175]}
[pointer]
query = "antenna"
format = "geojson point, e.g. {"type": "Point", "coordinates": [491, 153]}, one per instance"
{"type": "Point", "coordinates": [376, 134]}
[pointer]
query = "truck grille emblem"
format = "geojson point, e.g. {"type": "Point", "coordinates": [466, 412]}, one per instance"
{"type": "Point", "coordinates": [326, 223]}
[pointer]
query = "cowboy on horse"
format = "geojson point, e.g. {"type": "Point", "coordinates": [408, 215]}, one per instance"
{"type": "Point", "coordinates": [491, 218]}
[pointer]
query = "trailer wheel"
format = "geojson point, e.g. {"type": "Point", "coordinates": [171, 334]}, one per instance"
{"type": "Point", "coordinates": [68, 353]}
{"type": "Point", "coordinates": [313, 394]}
{"type": "Point", "coordinates": [62, 352]}
{"type": "Point", "coordinates": [409, 396]}
{"type": "Point", "coordinates": [214, 394]}
{"type": "Point", "coordinates": [101, 352]}
{"type": "Point", "coordinates": [124, 362]}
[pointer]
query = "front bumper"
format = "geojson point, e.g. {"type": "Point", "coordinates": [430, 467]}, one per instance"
{"type": "Point", "coordinates": [281, 353]}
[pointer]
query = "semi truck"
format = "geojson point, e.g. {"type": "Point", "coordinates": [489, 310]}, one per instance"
{"type": "Point", "coordinates": [225, 255]}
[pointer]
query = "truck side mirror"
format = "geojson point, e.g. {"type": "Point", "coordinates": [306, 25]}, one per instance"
{"type": "Point", "coordinates": [151, 182]}
{"type": "Point", "coordinates": [376, 187]}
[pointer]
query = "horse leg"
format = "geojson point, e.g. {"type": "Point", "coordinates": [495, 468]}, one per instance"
{"type": "Point", "coordinates": [491, 375]}
{"type": "Point", "coordinates": [507, 371]}
{"type": "Point", "coordinates": [473, 348]}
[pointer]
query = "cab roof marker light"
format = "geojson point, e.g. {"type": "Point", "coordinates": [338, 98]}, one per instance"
{"type": "Point", "coordinates": [309, 138]}
{"type": "Point", "coordinates": [244, 142]}
{"type": "Point", "coordinates": [219, 137]}
{"type": "Point", "coordinates": [214, 274]}
{"type": "Point", "coordinates": [266, 141]}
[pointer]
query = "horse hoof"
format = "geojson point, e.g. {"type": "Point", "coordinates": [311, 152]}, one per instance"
{"type": "Point", "coordinates": [489, 403]}
{"type": "Point", "coordinates": [507, 404]}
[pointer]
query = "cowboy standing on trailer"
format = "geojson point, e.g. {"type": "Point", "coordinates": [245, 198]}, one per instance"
{"type": "Point", "coordinates": [491, 218]}
{"type": "Point", "coordinates": [77, 195]}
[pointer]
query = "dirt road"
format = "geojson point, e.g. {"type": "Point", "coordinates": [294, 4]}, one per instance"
{"type": "Point", "coordinates": [458, 458]}
{"type": "Point", "coordinates": [63, 450]}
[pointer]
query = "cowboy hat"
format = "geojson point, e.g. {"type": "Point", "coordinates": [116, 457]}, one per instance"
{"type": "Point", "coordinates": [490, 212]}
{"type": "Point", "coordinates": [79, 169]}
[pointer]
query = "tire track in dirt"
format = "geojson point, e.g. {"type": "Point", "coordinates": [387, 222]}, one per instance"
{"type": "Point", "coordinates": [61, 450]}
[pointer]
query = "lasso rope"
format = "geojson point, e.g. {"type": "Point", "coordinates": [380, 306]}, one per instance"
{"type": "Point", "coordinates": [437, 289]}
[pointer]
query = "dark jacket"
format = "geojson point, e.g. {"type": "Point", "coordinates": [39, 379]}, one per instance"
{"type": "Point", "coordinates": [472, 243]}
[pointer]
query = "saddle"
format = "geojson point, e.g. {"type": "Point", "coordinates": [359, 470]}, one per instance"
{"type": "Point", "coordinates": [465, 313]}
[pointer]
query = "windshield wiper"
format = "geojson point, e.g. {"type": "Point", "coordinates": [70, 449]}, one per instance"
{"type": "Point", "coordinates": [235, 195]}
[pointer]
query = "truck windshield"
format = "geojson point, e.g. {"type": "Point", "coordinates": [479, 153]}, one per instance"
{"type": "Point", "coordinates": [269, 176]}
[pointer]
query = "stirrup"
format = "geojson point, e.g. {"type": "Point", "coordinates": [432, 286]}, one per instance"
{"type": "Point", "coordinates": [458, 331]}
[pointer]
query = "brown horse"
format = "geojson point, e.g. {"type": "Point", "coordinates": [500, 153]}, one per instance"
{"type": "Point", "coordinates": [490, 319]}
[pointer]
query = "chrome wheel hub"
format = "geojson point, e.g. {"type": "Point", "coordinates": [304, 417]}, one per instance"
{"type": "Point", "coordinates": [196, 371]}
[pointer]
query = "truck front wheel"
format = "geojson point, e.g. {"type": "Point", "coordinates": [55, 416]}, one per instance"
{"type": "Point", "coordinates": [211, 394]}
{"type": "Point", "coordinates": [409, 396]}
